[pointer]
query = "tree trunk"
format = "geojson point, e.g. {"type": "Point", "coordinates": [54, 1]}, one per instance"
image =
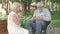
{"type": "Point", "coordinates": [45, 3]}
{"type": "Point", "coordinates": [7, 8]}
{"type": "Point", "coordinates": [17, 1]}
{"type": "Point", "coordinates": [29, 7]}
{"type": "Point", "coordinates": [29, 2]}
{"type": "Point", "coordinates": [3, 3]}
{"type": "Point", "coordinates": [25, 6]}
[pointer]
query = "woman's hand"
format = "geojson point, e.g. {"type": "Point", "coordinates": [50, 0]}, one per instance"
{"type": "Point", "coordinates": [16, 20]}
{"type": "Point", "coordinates": [20, 15]}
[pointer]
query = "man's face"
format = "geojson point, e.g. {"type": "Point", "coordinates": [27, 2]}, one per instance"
{"type": "Point", "coordinates": [40, 7]}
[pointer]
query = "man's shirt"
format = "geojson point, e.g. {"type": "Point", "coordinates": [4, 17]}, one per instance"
{"type": "Point", "coordinates": [45, 14]}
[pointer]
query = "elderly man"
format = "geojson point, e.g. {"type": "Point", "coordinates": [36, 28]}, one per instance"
{"type": "Point", "coordinates": [40, 19]}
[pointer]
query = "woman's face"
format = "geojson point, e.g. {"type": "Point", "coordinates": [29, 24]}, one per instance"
{"type": "Point", "coordinates": [18, 9]}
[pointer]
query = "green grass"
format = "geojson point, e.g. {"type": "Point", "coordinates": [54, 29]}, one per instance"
{"type": "Point", "coordinates": [56, 19]}
{"type": "Point", "coordinates": [3, 18]}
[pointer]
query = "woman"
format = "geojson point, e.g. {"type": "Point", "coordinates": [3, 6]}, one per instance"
{"type": "Point", "coordinates": [14, 19]}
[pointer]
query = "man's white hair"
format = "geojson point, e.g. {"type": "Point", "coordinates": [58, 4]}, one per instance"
{"type": "Point", "coordinates": [14, 5]}
{"type": "Point", "coordinates": [39, 3]}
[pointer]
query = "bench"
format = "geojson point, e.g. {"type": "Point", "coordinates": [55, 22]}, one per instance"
{"type": "Point", "coordinates": [3, 27]}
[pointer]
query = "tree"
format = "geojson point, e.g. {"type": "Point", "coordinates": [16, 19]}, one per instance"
{"type": "Point", "coordinates": [29, 2]}
{"type": "Point", "coordinates": [57, 4]}
{"type": "Point", "coordinates": [37, 1]}
{"type": "Point", "coordinates": [4, 4]}
{"type": "Point", "coordinates": [24, 5]}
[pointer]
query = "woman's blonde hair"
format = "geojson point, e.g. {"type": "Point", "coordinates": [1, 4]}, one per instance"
{"type": "Point", "coordinates": [16, 4]}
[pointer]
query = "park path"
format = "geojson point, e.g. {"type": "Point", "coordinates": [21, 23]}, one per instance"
{"type": "Point", "coordinates": [57, 30]}
{"type": "Point", "coordinates": [53, 30]}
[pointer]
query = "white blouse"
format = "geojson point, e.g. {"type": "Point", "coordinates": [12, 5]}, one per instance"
{"type": "Point", "coordinates": [12, 27]}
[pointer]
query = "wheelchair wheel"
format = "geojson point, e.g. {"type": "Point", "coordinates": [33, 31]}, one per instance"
{"type": "Point", "coordinates": [50, 29]}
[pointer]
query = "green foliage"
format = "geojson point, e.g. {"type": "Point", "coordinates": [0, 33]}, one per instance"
{"type": "Point", "coordinates": [38, 0]}
{"type": "Point", "coordinates": [26, 19]}
{"type": "Point", "coordinates": [21, 1]}
{"type": "Point", "coordinates": [3, 18]}
{"type": "Point", "coordinates": [29, 1]}
{"type": "Point", "coordinates": [0, 1]}
{"type": "Point", "coordinates": [0, 14]}
{"type": "Point", "coordinates": [15, 0]}
{"type": "Point", "coordinates": [53, 1]}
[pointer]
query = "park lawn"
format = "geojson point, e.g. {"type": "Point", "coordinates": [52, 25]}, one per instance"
{"type": "Point", "coordinates": [56, 19]}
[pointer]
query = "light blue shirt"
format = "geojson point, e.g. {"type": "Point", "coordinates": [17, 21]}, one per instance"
{"type": "Point", "coordinates": [45, 14]}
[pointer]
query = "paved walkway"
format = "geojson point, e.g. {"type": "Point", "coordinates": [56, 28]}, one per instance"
{"type": "Point", "coordinates": [57, 30]}
{"type": "Point", "coordinates": [53, 30]}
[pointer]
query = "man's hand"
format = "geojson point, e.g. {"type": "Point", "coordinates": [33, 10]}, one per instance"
{"type": "Point", "coordinates": [39, 18]}
{"type": "Point", "coordinates": [34, 18]}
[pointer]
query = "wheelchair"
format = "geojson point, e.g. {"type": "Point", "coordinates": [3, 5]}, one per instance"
{"type": "Point", "coordinates": [44, 28]}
